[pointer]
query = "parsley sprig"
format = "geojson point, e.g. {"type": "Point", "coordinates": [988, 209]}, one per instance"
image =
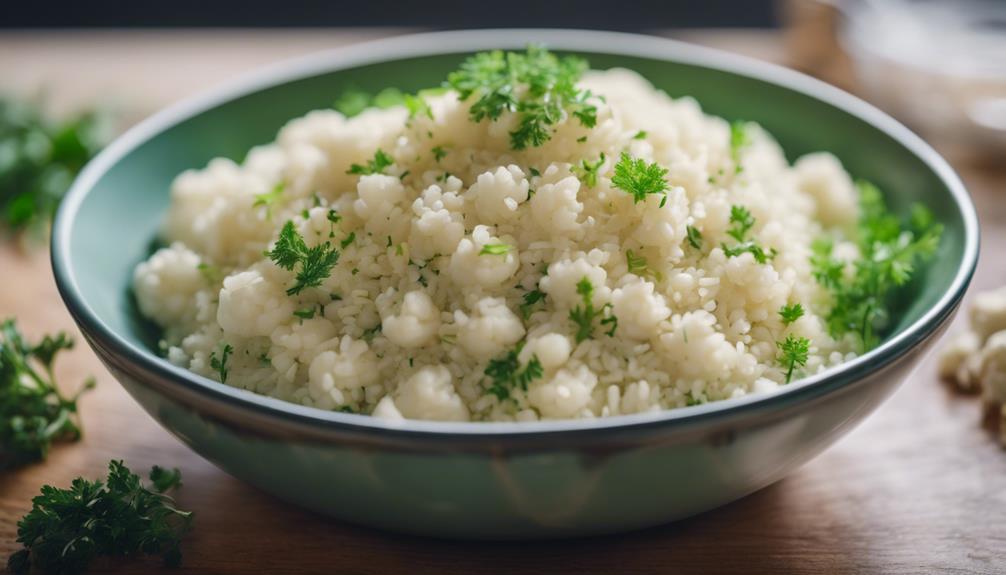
{"type": "Point", "coordinates": [694, 237]}
{"type": "Point", "coordinates": [67, 529]}
{"type": "Point", "coordinates": [33, 411]}
{"type": "Point", "coordinates": [640, 178]}
{"type": "Point", "coordinates": [508, 375]}
{"type": "Point", "coordinates": [741, 222]}
{"type": "Point", "coordinates": [793, 353]}
{"type": "Point", "coordinates": [791, 313]}
{"type": "Point", "coordinates": [536, 85]}
{"type": "Point", "coordinates": [587, 172]}
{"type": "Point", "coordinates": [313, 264]}
{"type": "Point", "coordinates": [377, 165]}
{"type": "Point", "coordinates": [584, 314]}
{"type": "Point", "coordinates": [889, 253]}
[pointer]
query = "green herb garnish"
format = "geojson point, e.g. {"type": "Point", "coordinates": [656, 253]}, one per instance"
{"type": "Point", "coordinates": [790, 313]}
{"type": "Point", "coordinates": [33, 412]}
{"type": "Point", "coordinates": [39, 159]}
{"type": "Point", "coordinates": [640, 135]}
{"type": "Point", "coordinates": [889, 254]}
{"type": "Point", "coordinates": [538, 86]}
{"type": "Point", "coordinates": [583, 315]}
{"type": "Point", "coordinates": [220, 363]}
{"type": "Point", "coordinates": [439, 153]}
{"type": "Point", "coordinates": [67, 529]}
{"type": "Point", "coordinates": [347, 240]}
{"type": "Point", "coordinates": [741, 222]}
{"type": "Point", "coordinates": [495, 249]}
{"type": "Point", "coordinates": [306, 313]}
{"type": "Point", "coordinates": [639, 178]}
{"type": "Point", "coordinates": [739, 139]}
{"type": "Point", "coordinates": [377, 165]}
{"type": "Point", "coordinates": [793, 353]}
{"type": "Point", "coordinates": [212, 274]}
{"type": "Point", "coordinates": [694, 237]}
{"type": "Point", "coordinates": [269, 198]}
{"type": "Point", "coordinates": [637, 265]}
{"type": "Point", "coordinates": [313, 264]}
{"type": "Point", "coordinates": [530, 299]}
{"type": "Point", "coordinates": [587, 172]}
{"type": "Point", "coordinates": [508, 375]}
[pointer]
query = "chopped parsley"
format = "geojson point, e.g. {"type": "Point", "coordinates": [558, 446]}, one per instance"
{"type": "Point", "coordinates": [220, 363]}
{"type": "Point", "coordinates": [306, 313]}
{"type": "Point", "coordinates": [637, 265]}
{"type": "Point", "coordinates": [508, 375]}
{"type": "Point", "coordinates": [370, 333]}
{"type": "Point", "coordinates": [67, 529]}
{"type": "Point", "coordinates": [211, 273]}
{"type": "Point", "coordinates": [33, 412]}
{"type": "Point", "coordinates": [530, 299]}
{"type": "Point", "coordinates": [741, 222]}
{"type": "Point", "coordinates": [377, 165]}
{"type": "Point", "coordinates": [890, 252]}
{"type": "Point", "coordinates": [347, 240]}
{"type": "Point", "coordinates": [694, 237]}
{"type": "Point", "coordinates": [495, 249]}
{"type": "Point", "coordinates": [739, 139]}
{"type": "Point", "coordinates": [269, 198]}
{"type": "Point", "coordinates": [583, 315]}
{"type": "Point", "coordinates": [536, 85]}
{"type": "Point", "coordinates": [640, 135]}
{"type": "Point", "coordinates": [587, 172]}
{"type": "Point", "coordinates": [639, 178]}
{"type": "Point", "coordinates": [790, 313]}
{"type": "Point", "coordinates": [313, 264]}
{"type": "Point", "coordinates": [439, 153]}
{"type": "Point", "coordinates": [534, 172]}
{"type": "Point", "coordinates": [793, 353]}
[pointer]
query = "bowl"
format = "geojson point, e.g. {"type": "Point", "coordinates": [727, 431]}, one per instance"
{"type": "Point", "coordinates": [500, 480]}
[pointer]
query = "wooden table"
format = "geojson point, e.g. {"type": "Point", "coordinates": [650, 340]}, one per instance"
{"type": "Point", "coordinates": [918, 488]}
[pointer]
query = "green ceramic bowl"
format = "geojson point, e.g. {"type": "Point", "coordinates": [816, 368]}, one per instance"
{"type": "Point", "coordinates": [500, 480]}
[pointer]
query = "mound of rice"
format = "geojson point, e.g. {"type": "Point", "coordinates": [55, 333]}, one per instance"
{"type": "Point", "coordinates": [413, 312]}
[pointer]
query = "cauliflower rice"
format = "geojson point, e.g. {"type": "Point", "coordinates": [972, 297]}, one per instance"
{"type": "Point", "coordinates": [413, 313]}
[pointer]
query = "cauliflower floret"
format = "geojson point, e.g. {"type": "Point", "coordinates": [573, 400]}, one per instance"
{"type": "Point", "coordinates": [988, 312]}
{"type": "Point", "coordinates": [438, 224]}
{"type": "Point", "coordinates": [430, 394]}
{"type": "Point", "coordinates": [664, 227]}
{"type": "Point", "coordinates": [638, 309]}
{"type": "Point", "coordinates": [565, 395]}
{"type": "Point", "coordinates": [416, 324]}
{"type": "Point", "coordinates": [699, 351]}
{"type": "Point", "coordinates": [563, 275]}
{"type": "Point", "coordinates": [993, 368]}
{"type": "Point", "coordinates": [491, 328]}
{"type": "Point", "coordinates": [385, 409]}
{"type": "Point", "coordinates": [379, 196]}
{"type": "Point", "coordinates": [469, 266]}
{"type": "Point", "coordinates": [554, 206]}
{"type": "Point", "coordinates": [166, 285]}
{"type": "Point", "coordinates": [252, 306]}
{"type": "Point", "coordinates": [498, 194]}
{"type": "Point", "coordinates": [551, 349]}
{"type": "Point", "coordinates": [821, 176]}
{"type": "Point", "coordinates": [351, 366]}
{"type": "Point", "coordinates": [955, 354]}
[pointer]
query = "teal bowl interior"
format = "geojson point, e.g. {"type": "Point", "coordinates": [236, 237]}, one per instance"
{"type": "Point", "coordinates": [112, 215]}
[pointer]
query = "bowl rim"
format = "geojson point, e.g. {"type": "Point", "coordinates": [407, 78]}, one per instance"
{"type": "Point", "coordinates": [238, 401]}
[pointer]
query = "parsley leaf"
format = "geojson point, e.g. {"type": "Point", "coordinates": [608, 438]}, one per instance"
{"type": "Point", "coordinates": [889, 254]}
{"type": "Point", "coordinates": [739, 139]}
{"type": "Point", "coordinates": [793, 353]}
{"type": "Point", "coordinates": [347, 240]}
{"type": "Point", "coordinates": [741, 222]}
{"type": "Point", "coordinates": [495, 249]}
{"type": "Point", "coordinates": [583, 315]}
{"type": "Point", "coordinates": [637, 265]}
{"type": "Point", "coordinates": [639, 178]}
{"type": "Point", "coordinates": [269, 198]}
{"type": "Point", "coordinates": [315, 263]}
{"type": "Point", "coordinates": [439, 153]}
{"type": "Point", "coordinates": [694, 237]}
{"type": "Point", "coordinates": [507, 374]}
{"type": "Point", "coordinates": [377, 165]}
{"type": "Point", "coordinates": [530, 299]}
{"type": "Point", "coordinates": [536, 85]}
{"type": "Point", "coordinates": [33, 412]}
{"type": "Point", "coordinates": [587, 172]}
{"type": "Point", "coordinates": [67, 529]}
{"type": "Point", "coordinates": [790, 313]}
{"type": "Point", "coordinates": [640, 135]}
{"type": "Point", "coordinates": [220, 363]}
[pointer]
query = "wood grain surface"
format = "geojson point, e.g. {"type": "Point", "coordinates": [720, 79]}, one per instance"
{"type": "Point", "coordinates": [919, 488]}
